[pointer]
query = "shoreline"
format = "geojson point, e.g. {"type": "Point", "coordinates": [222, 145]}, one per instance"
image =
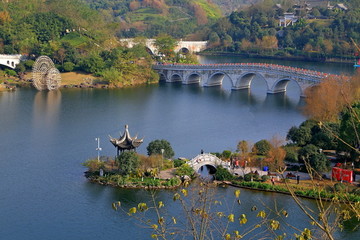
{"type": "Point", "coordinates": [104, 182]}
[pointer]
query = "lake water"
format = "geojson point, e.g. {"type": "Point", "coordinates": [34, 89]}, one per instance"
{"type": "Point", "coordinates": [46, 136]}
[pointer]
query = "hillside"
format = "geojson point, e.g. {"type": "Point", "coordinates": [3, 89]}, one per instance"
{"type": "Point", "coordinates": [149, 18]}
{"type": "Point", "coordinates": [228, 6]}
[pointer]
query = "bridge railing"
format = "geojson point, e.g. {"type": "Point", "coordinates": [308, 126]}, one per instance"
{"type": "Point", "coordinates": [274, 68]}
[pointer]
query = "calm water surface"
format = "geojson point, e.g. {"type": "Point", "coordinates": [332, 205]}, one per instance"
{"type": "Point", "coordinates": [45, 136]}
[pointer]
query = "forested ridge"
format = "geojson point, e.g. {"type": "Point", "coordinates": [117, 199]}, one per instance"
{"type": "Point", "coordinates": [83, 34]}
{"type": "Point", "coordinates": [323, 31]}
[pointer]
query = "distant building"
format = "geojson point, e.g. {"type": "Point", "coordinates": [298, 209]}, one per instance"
{"type": "Point", "coordinates": [287, 20]}
{"type": "Point", "coordinates": [339, 6]}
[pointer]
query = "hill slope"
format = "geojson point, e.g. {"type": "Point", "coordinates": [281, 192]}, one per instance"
{"type": "Point", "coordinates": [152, 17]}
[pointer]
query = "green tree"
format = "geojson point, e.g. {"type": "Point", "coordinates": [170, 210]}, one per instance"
{"type": "Point", "coordinates": [226, 154]}
{"type": "Point", "coordinates": [291, 154]}
{"type": "Point", "coordinates": [29, 64]}
{"type": "Point", "coordinates": [318, 162]}
{"type": "Point", "coordinates": [20, 68]}
{"type": "Point", "coordinates": [300, 136]}
{"type": "Point", "coordinates": [165, 45]}
{"type": "Point", "coordinates": [155, 147]}
{"type": "Point", "coordinates": [350, 131]}
{"type": "Point", "coordinates": [68, 66]}
{"type": "Point", "coordinates": [128, 162]}
{"type": "Point", "coordinates": [92, 64]}
{"type": "Point", "coordinates": [214, 39]}
{"type": "Point", "coordinates": [262, 147]}
{"type": "Point", "coordinates": [325, 136]}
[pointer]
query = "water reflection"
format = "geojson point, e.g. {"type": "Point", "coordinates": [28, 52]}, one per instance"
{"type": "Point", "coordinates": [207, 172]}
{"type": "Point", "coordinates": [255, 96]}
{"type": "Point", "coordinates": [46, 109]}
{"type": "Point", "coordinates": [281, 101]}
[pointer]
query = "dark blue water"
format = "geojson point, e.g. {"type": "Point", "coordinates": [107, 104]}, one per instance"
{"type": "Point", "coordinates": [46, 136]}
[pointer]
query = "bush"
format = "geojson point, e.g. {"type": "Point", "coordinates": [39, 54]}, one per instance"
{"type": "Point", "coordinates": [93, 165]}
{"type": "Point", "coordinates": [68, 66]}
{"type": "Point", "coordinates": [172, 182]}
{"type": "Point", "coordinates": [10, 72]}
{"type": "Point", "coordinates": [265, 178]}
{"type": "Point", "coordinates": [339, 187]}
{"type": "Point", "coordinates": [150, 182]}
{"type": "Point", "coordinates": [29, 64]}
{"type": "Point", "coordinates": [183, 170]}
{"type": "Point", "coordinates": [223, 174]}
{"type": "Point", "coordinates": [178, 162]}
{"type": "Point", "coordinates": [249, 176]}
{"type": "Point", "coordinates": [167, 164]}
{"type": "Point", "coordinates": [356, 191]}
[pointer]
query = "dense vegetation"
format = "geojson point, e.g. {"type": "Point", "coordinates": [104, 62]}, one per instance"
{"type": "Point", "coordinates": [319, 33]}
{"type": "Point", "coordinates": [82, 35]}
{"type": "Point", "coordinates": [75, 37]}
{"type": "Point", "coordinates": [150, 18]}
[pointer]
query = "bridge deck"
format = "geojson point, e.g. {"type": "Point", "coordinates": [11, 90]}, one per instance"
{"type": "Point", "coordinates": [233, 66]}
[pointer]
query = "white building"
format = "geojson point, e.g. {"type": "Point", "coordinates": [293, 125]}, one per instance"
{"type": "Point", "coordinates": [287, 20]}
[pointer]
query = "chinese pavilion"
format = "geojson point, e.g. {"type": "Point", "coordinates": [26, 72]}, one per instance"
{"type": "Point", "coordinates": [126, 142]}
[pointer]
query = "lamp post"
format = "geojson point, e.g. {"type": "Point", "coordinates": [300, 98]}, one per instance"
{"type": "Point", "coordinates": [162, 157]}
{"type": "Point", "coordinates": [98, 149]}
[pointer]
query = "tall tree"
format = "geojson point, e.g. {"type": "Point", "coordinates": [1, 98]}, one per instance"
{"type": "Point", "coordinates": [128, 162]}
{"type": "Point", "coordinates": [157, 146]}
{"type": "Point", "coordinates": [165, 45]}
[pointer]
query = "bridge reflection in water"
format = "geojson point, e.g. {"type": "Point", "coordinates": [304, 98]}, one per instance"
{"type": "Point", "coordinates": [207, 172]}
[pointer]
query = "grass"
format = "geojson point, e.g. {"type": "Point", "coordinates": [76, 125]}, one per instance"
{"type": "Point", "coordinates": [211, 10]}
{"type": "Point", "coordinates": [143, 14]}
{"type": "Point", "coordinates": [305, 188]}
{"type": "Point", "coordinates": [75, 39]}
{"type": "Point", "coordinates": [75, 78]}
{"type": "Point", "coordinates": [321, 22]}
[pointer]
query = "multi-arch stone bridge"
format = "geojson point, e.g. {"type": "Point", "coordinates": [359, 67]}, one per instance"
{"type": "Point", "coordinates": [182, 46]}
{"type": "Point", "coordinates": [10, 60]}
{"type": "Point", "coordinates": [241, 75]}
{"type": "Point", "coordinates": [206, 159]}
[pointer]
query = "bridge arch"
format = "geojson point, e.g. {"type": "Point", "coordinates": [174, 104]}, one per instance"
{"type": "Point", "coordinates": [206, 159]}
{"type": "Point", "coordinates": [281, 84]}
{"type": "Point", "coordinates": [193, 77]}
{"type": "Point", "coordinates": [244, 81]}
{"type": "Point", "coordinates": [175, 78]}
{"type": "Point", "coordinates": [162, 77]}
{"type": "Point", "coordinates": [10, 60]}
{"type": "Point", "coordinates": [184, 50]}
{"type": "Point", "coordinates": [216, 79]}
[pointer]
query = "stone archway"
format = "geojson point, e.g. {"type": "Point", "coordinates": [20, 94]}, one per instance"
{"type": "Point", "coordinates": [207, 159]}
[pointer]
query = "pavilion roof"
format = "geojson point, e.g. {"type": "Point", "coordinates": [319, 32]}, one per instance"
{"type": "Point", "coordinates": [126, 142]}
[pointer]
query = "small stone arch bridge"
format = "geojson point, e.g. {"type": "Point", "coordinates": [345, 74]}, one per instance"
{"type": "Point", "coordinates": [206, 159]}
{"type": "Point", "coordinates": [241, 75]}
{"type": "Point", "coordinates": [10, 60]}
{"type": "Point", "coordinates": [182, 46]}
